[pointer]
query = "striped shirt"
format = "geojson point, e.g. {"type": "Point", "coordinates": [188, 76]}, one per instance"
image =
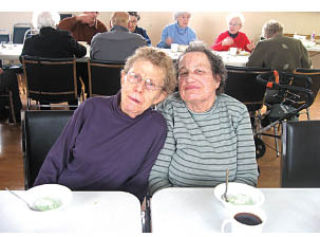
{"type": "Point", "coordinates": [200, 146]}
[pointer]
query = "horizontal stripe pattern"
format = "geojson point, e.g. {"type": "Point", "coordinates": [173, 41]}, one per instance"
{"type": "Point", "coordinates": [201, 146]}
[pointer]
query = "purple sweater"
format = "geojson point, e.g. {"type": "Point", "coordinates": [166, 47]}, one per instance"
{"type": "Point", "coordinates": [101, 148]}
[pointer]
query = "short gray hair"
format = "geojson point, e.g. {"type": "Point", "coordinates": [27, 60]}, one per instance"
{"type": "Point", "coordinates": [177, 14]}
{"type": "Point", "coordinates": [272, 28]}
{"type": "Point", "coordinates": [46, 19]}
{"type": "Point", "coordinates": [235, 15]}
{"type": "Point", "coordinates": [159, 59]}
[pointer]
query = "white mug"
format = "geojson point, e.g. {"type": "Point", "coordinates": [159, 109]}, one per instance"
{"type": "Point", "coordinates": [245, 221]}
{"type": "Point", "coordinates": [174, 48]}
{"type": "Point", "coordinates": [233, 50]}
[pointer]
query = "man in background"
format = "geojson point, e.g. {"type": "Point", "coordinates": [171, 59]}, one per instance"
{"type": "Point", "coordinates": [117, 44]}
{"type": "Point", "coordinates": [83, 27]}
{"type": "Point", "coordinates": [279, 52]}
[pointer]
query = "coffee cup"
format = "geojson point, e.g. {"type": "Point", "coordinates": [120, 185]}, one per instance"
{"type": "Point", "coordinates": [245, 221]}
{"type": "Point", "coordinates": [174, 48]}
{"type": "Point", "coordinates": [233, 51]}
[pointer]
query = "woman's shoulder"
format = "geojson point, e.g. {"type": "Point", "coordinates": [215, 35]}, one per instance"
{"type": "Point", "coordinates": [172, 101]}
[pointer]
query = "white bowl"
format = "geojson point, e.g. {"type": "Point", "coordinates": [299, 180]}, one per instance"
{"type": "Point", "coordinates": [49, 197]}
{"type": "Point", "coordinates": [239, 195]}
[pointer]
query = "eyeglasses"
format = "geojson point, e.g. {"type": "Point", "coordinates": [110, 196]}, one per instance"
{"type": "Point", "coordinates": [134, 78]}
{"type": "Point", "coordinates": [133, 22]}
{"type": "Point", "coordinates": [235, 24]}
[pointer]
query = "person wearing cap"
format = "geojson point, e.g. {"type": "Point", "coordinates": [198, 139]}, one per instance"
{"type": "Point", "coordinates": [178, 32]}
{"type": "Point", "coordinates": [233, 37]}
{"type": "Point", "coordinates": [134, 17]}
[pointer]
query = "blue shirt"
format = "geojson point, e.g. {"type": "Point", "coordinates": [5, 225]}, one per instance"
{"type": "Point", "coordinates": [177, 34]}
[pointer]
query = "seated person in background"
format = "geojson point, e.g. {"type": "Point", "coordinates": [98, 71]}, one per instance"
{"type": "Point", "coordinates": [52, 43]}
{"type": "Point", "coordinates": [84, 26]}
{"type": "Point", "coordinates": [179, 32]}
{"type": "Point", "coordinates": [208, 131]}
{"type": "Point", "coordinates": [279, 52]}
{"type": "Point", "coordinates": [117, 44]}
{"type": "Point", "coordinates": [134, 17]}
{"type": "Point", "coordinates": [112, 142]}
{"type": "Point", "coordinates": [233, 37]}
{"type": "Point", "coordinates": [9, 82]}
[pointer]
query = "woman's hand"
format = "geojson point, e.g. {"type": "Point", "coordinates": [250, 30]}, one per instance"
{"type": "Point", "coordinates": [251, 46]}
{"type": "Point", "coordinates": [169, 41]}
{"type": "Point", "coordinates": [227, 41]}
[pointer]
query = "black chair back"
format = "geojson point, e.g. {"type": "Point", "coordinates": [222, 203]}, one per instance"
{"type": "Point", "coordinates": [104, 77]}
{"type": "Point", "coordinates": [241, 84]}
{"type": "Point", "coordinates": [19, 31]}
{"type": "Point", "coordinates": [314, 75]}
{"type": "Point", "coordinates": [4, 38]}
{"type": "Point", "coordinates": [40, 131]}
{"type": "Point", "coordinates": [50, 79]}
{"type": "Point", "coordinates": [65, 15]}
{"type": "Point", "coordinates": [301, 154]}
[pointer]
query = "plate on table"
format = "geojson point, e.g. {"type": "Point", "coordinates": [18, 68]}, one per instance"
{"type": "Point", "coordinates": [49, 197]}
{"type": "Point", "coordinates": [244, 53]}
{"type": "Point", "coordinates": [239, 195]}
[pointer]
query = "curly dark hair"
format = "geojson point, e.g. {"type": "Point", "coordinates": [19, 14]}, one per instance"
{"type": "Point", "coordinates": [135, 14]}
{"type": "Point", "coordinates": [217, 65]}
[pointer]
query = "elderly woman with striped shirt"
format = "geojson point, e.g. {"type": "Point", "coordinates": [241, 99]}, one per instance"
{"type": "Point", "coordinates": [208, 131]}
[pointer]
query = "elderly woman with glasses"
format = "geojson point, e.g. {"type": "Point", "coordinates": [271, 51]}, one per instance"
{"type": "Point", "coordinates": [179, 32]}
{"type": "Point", "coordinates": [111, 143]}
{"type": "Point", "coordinates": [233, 37]}
{"type": "Point", "coordinates": [134, 17]}
{"type": "Point", "coordinates": [208, 131]}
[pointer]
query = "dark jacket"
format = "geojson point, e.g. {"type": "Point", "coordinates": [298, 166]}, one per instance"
{"type": "Point", "coordinates": [52, 43]}
{"type": "Point", "coordinates": [280, 53]}
{"type": "Point", "coordinates": [143, 33]}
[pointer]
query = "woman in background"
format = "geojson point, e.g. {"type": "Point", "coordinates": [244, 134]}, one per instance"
{"type": "Point", "coordinates": [179, 32]}
{"type": "Point", "coordinates": [134, 17]}
{"type": "Point", "coordinates": [233, 37]}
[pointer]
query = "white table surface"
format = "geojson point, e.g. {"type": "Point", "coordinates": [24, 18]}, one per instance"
{"type": "Point", "coordinates": [104, 212]}
{"type": "Point", "coordinates": [228, 59]}
{"type": "Point", "coordinates": [13, 51]}
{"type": "Point", "coordinates": [10, 51]}
{"type": "Point", "coordinates": [194, 210]}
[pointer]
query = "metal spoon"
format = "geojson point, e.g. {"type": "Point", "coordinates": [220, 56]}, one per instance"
{"type": "Point", "coordinates": [22, 199]}
{"type": "Point", "coordinates": [227, 182]}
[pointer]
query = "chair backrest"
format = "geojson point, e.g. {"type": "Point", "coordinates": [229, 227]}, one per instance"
{"type": "Point", "coordinates": [104, 77]}
{"type": "Point", "coordinates": [40, 131]}
{"type": "Point", "coordinates": [64, 15]}
{"type": "Point", "coordinates": [50, 79]}
{"type": "Point", "coordinates": [314, 74]}
{"type": "Point", "coordinates": [4, 38]}
{"type": "Point", "coordinates": [19, 30]}
{"type": "Point", "coordinates": [241, 84]}
{"type": "Point", "coordinates": [301, 154]}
